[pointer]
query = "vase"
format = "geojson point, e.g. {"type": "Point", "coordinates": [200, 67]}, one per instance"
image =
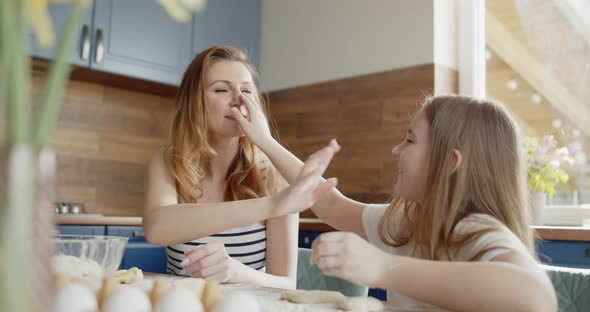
{"type": "Point", "coordinates": [26, 226]}
{"type": "Point", "coordinates": [537, 203]}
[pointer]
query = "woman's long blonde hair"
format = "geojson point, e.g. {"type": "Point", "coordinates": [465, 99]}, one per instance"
{"type": "Point", "coordinates": [189, 152]}
{"type": "Point", "coordinates": [490, 180]}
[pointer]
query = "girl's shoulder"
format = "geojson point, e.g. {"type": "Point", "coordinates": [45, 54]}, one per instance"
{"type": "Point", "coordinates": [478, 221]}
{"type": "Point", "coordinates": [490, 238]}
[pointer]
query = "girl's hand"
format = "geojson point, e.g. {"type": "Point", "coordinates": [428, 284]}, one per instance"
{"type": "Point", "coordinates": [211, 262]}
{"type": "Point", "coordinates": [252, 121]}
{"type": "Point", "coordinates": [309, 186]}
{"type": "Point", "coordinates": [348, 256]}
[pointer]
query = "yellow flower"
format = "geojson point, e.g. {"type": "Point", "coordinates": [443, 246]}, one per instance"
{"type": "Point", "coordinates": [181, 10]}
{"type": "Point", "coordinates": [39, 19]}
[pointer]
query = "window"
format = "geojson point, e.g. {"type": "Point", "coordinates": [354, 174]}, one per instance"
{"type": "Point", "coordinates": [538, 64]}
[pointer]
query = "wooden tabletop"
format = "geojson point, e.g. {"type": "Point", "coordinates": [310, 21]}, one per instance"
{"type": "Point", "coordinates": [567, 233]}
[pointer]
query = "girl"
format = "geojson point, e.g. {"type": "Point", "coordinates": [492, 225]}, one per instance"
{"type": "Point", "coordinates": [193, 184]}
{"type": "Point", "coordinates": [456, 235]}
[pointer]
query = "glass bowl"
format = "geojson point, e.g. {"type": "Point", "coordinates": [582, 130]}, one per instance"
{"type": "Point", "coordinates": [87, 256]}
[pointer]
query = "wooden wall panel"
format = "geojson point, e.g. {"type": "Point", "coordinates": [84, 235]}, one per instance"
{"type": "Point", "coordinates": [104, 140]}
{"type": "Point", "coordinates": [107, 134]}
{"type": "Point", "coordinates": [368, 115]}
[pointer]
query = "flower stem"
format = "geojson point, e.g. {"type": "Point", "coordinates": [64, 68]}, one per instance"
{"type": "Point", "coordinates": [50, 103]}
{"type": "Point", "coordinates": [17, 71]}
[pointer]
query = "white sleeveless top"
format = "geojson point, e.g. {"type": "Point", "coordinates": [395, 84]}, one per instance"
{"type": "Point", "coordinates": [246, 244]}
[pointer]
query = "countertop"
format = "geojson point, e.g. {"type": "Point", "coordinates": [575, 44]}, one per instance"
{"type": "Point", "coordinates": [568, 233]}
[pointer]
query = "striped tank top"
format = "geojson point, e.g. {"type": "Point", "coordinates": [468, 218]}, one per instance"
{"type": "Point", "coordinates": [246, 244]}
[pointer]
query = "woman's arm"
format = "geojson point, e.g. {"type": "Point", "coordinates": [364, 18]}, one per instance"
{"type": "Point", "coordinates": [335, 209]}
{"type": "Point", "coordinates": [511, 282]}
{"type": "Point", "coordinates": [212, 262]}
{"type": "Point", "coordinates": [166, 222]}
{"type": "Point", "coordinates": [281, 255]}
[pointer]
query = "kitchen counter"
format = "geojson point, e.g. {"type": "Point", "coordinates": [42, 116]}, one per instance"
{"type": "Point", "coordinates": [566, 233]}
{"type": "Point", "coordinates": [91, 219]}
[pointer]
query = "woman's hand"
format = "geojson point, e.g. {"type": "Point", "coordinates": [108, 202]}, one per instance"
{"type": "Point", "coordinates": [211, 262]}
{"type": "Point", "coordinates": [252, 121]}
{"type": "Point", "coordinates": [309, 186]}
{"type": "Point", "coordinates": [348, 256]}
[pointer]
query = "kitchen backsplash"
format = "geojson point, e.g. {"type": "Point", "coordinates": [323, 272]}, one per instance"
{"type": "Point", "coordinates": [106, 135]}
{"type": "Point", "coordinates": [104, 140]}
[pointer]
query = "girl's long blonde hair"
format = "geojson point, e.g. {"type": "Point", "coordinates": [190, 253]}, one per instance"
{"type": "Point", "coordinates": [490, 180]}
{"type": "Point", "coordinates": [189, 152]}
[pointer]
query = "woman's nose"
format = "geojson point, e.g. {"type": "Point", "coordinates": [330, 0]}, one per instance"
{"type": "Point", "coordinates": [236, 99]}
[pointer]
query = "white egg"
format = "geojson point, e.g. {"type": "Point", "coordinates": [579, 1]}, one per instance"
{"type": "Point", "coordinates": [75, 298]}
{"type": "Point", "coordinates": [93, 284]}
{"type": "Point", "coordinates": [237, 302]}
{"type": "Point", "coordinates": [127, 298]}
{"type": "Point", "coordinates": [145, 285]}
{"type": "Point", "coordinates": [179, 299]}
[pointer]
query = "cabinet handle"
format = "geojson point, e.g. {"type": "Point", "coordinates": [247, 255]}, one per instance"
{"type": "Point", "coordinates": [99, 47]}
{"type": "Point", "coordinates": [85, 43]}
{"type": "Point", "coordinates": [587, 252]}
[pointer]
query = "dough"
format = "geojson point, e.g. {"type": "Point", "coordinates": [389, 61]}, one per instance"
{"type": "Point", "coordinates": [356, 304]}
{"type": "Point", "coordinates": [77, 268]}
{"type": "Point", "coordinates": [312, 296]}
{"type": "Point", "coordinates": [128, 276]}
{"type": "Point", "coordinates": [360, 304]}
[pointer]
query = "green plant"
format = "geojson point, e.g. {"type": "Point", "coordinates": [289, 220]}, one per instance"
{"type": "Point", "coordinates": [544, 164]}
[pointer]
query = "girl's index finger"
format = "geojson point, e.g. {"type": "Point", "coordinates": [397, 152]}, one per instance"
{"type": "Point", "coordinates": [249, 103]}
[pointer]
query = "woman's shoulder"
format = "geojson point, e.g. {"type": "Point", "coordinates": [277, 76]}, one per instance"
{"type": "Point", "coordinates": [157, 165]}
{"type": "Point", "coordinates": [160, 155]}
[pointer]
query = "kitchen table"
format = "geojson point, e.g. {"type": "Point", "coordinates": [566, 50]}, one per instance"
{"type": "Point", "coordinates": [269, 298]}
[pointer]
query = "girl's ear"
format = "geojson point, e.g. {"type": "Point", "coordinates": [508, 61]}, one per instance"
{"type": "Point", "coordinates": [457, 158]}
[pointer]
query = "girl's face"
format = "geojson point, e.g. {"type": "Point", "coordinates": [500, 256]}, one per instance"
{"type": "Point", "coordinates": [224, 82]}
{"type": "Point", "coordinates": [413, 157]}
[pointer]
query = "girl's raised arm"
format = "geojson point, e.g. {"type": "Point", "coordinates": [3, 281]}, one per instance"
{"type": "Point", "coordinates": [335, 209]}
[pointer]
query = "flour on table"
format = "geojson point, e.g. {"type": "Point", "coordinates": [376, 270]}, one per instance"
{"type": "Point", "coordinates": [76, 267]}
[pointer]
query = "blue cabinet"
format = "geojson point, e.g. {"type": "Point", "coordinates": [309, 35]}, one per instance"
{"type": "Point", "coordinates": [228, 22]}
{"type": "Point", "coordinates": [82, 229]}
{"type": "Point", "coordinates": [138, 252]}
{"type": "Point", "coordinates": [306, 238]}
{"type": "Point", "coordinates": [574, 254]}
{"type": "Point", "coordinates": [59, 13]}
{"type": "Point", "coordinates": [137, 38]}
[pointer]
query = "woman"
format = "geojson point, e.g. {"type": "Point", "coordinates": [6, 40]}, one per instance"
{"type": "Point", "coordinates": [193, 183]}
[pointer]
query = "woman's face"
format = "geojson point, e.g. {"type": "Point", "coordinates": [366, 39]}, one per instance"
{"type": "Point", "coordinates": [224, 82]}
{"type": "Point", "coordinates": [413, 157]}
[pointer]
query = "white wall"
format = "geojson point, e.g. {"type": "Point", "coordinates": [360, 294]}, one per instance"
{"type": "Point", "coordinates": [308, 41]}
